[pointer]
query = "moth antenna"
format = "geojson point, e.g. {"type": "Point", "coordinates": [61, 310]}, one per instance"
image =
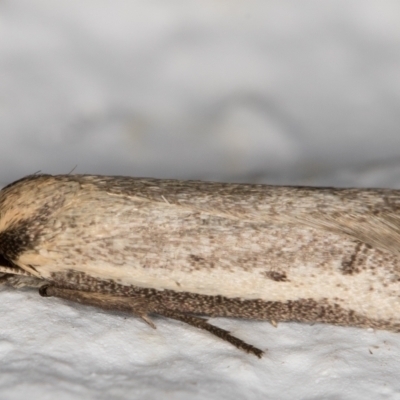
{"type": "Point", "coordinates": [73, 169]}
{"type": "Point", "coordinates": [14, 271]}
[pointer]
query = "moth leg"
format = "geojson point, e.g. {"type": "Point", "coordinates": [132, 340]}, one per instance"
{"type": "Point", "coordinates": [4, 278]}
{"type": "Point", "coordinates": [137, 306]}
{"type": "Point", "coordinates": [20, 281]}
{"type": "Point", "coordinates": [14, 276]}
{"type": "Point", "coordinates": [141, 307]}
{"type": "Point", "coordinates": [219, 332]}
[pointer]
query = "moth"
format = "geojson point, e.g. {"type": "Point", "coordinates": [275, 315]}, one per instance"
{"type": "Point", "coordinates": [189, 249]}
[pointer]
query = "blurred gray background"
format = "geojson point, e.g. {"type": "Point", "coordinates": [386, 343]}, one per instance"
{"type": "Point", "coordinates": [267, 91]}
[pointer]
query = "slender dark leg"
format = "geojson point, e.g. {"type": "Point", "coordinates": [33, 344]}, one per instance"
{"type": "Point", "coordinates": [141, 307]}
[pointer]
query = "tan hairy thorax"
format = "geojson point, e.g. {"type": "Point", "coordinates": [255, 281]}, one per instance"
{"type": "Point", "coordinates": [179, 248]}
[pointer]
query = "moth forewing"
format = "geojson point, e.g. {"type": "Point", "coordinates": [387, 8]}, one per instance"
{"type": "Point", "coordinates": [178, 248]}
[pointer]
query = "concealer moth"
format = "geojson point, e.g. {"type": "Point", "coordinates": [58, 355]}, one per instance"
{"type": "Point", "coordinates": [190, 249]}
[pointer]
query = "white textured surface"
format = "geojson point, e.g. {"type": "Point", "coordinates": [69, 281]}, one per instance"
{"type": "Point", "coordinates": [271, 91]}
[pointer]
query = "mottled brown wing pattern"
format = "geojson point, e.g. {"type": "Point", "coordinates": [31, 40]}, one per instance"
{"type": "Point", "coordinates": [179, 248]}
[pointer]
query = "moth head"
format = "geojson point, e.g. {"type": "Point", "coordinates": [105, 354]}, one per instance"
{"type": "Point", "coordinates": [26, 206]}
